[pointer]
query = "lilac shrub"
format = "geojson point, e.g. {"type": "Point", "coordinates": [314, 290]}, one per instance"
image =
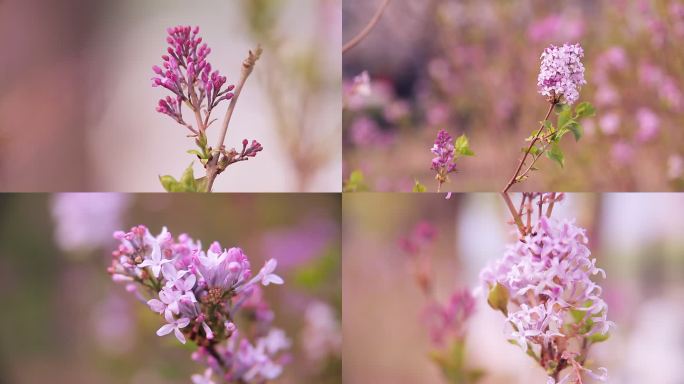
{"type": "Point", "coordinates": [193, 83]}
{"type": "Point", "coordinates": [200, 294]}
{"type": "Point", "coordinates": [544, 286]}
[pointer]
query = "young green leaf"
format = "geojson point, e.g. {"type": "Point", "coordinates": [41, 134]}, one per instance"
{"type": "Point", "coordinates": [169, 183]}
{"type": "Point", "coordinates": [584, 109]}
{"type": "Point", "coordinates": [564, 118]}
{"type": "Point", "coordinates": [418, 187]}
{"type": "Point", "coordinates": [556, 154]}
{"type": "Point", "coordinates": [188, 180]}
{"type": "Point", "coordinates": [576, 129]}
{"type": "Point", "coordinates": [462, 146]}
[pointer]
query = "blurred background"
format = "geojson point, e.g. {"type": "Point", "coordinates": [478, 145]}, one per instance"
{"type": "Point", "coordinates": [634, 237]}
{"type": "Point", "coordinates": [471, 67]}
{"type": "Point", "coordinates": [77, 110]}
{"type": "Point", "coordinates": [64, 320]}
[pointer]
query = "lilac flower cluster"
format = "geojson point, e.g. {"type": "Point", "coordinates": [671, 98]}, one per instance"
{"type": "Point", "coordinates": [187, 73]}
{"type": "Point", "coordinates": [561, 73]}
{"type": "Point", "coordinates": [543, 284]}
{"type": "Point", "coordinates": [443, 163]}
{"type": "Point", "coordinates": [451, 318]}
{"type": "Point", "coordinates": [199, 294]}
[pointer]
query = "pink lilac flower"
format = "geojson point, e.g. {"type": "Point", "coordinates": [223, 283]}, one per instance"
{"type": "Point", "coordinates": [199, 294]}
{"type": "Point", "coordinates": [175, 326]}
{"type": "Point", "coordinates": [186, 72]}
{"type": "Point", "coordinates": [321, 336]}
{"type": "Point", "coordinates": [552, 299]}
{"type": "Point", "coordinates": [557, 27]}
{"type": "Point", "coordinates": [443, 163]}
{"type": "Point", "coordinates": [649, 124]}
{"type": "Point", "coordinates": [561, 73]}
{"type": "Point", "coordinates": [205, 378]}
{"type": "Point", "coordinates": [675, 167]}
{"type": "Point", "coordinates": [362, 85]}
{"type": "Point", "coordinates": [610, 123]}
{"type": "Point", "coordinates": [450, 319]}
{"type": "Point", "coordinates": [622, 152]}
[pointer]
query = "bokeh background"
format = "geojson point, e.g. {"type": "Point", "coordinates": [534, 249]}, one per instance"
{"type": "Point", "coordinates": [471, 67]}
{"type": "Point", "coordinates": [77, 110]}
{"type": "Point", "coordinates": [64, 321]}
{"type": "Point", "coordinates": [636, 238]}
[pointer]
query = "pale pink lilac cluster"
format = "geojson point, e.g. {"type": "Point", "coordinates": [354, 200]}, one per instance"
{"type": "Point", "coordinates": [443, 163]}
{"type": "Point", "coordinates": [200, 294]}
{"type": "Point", "coordinates": [553, 305]}
{"type": "Point", "coordinates": [561, 73]}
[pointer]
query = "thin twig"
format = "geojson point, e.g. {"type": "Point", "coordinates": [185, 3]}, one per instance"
{"type": "Point", "coordinates": [247, 67]}
{"type": "Point", "coordinates": [514, 213]}
{"type": "Point", "coordinates": [514, 179]}
{"type": "Point", "coordinates": [367, 29]}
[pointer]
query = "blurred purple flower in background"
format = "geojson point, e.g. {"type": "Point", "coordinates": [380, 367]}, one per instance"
{"type": "Point", "coordinates": [561, 72]}
{"type": "Point", "coordinates": [321, 336]}
{"type": "Point", "coordinates": [85, 221]}
{"type": "Point", "coordinates": [649, 124]}
{"type": "Point", "coordinates": [622, 152]}
{"type": "Point", "coordinates": [450, 320]}
{"type": "Point", "coordinates": [300, 244]}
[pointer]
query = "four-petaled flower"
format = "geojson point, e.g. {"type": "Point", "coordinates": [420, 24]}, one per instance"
{"type": "Point", "coordinates": [155, 260]}
{"type": "Point", "coordinates": [174, 325]}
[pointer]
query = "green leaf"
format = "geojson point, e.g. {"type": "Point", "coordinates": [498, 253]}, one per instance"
{"type": "Point", "coordinates": [556, 154]}
{"type": "Point", "coordinates": [535, 150]}
{"type": "Point", "coordinates": [599, 338]}
{"type": "Point", "coordinates": [560, 107]}
{"type": "Point", "coordinates": [576, 129]}
{"type": "Point", "coordinates": [195, 152]}
{"type": "Point", "coordinates": [169, 183]}
{"type": "Point", "coordinates": [498, 298]}
{"type": "Point", "coordinates": [462, 146]}
{"type": "Point", "coordinates": [548, 125]}
{"type": "Point", "coordinates": [584, 109]}
{"type": "Point", "coordinates": [564, 118]}
{"type": "Point", "coordinates": [475, 375]}
{"type": "Point", "coordinates": [188, 180]}
{"type": "Point", "coordinates": [202, 184]}
{"type": "Point", "coordinates": [418, 187]}
{"type": "Point", "coordinates": [356, 182]}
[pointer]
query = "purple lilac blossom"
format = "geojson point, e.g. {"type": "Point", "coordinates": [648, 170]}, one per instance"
{"type": "Point", "coordinates": [561, 72]}
{"type": "Point", "coordinates": [186, 72]}
{"type": "Point", "coordinates": [443, 163]}
{"type": "Point", "coordinates": [552, 298]}
{"type": "Point", "coordinates": [199, 294]}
